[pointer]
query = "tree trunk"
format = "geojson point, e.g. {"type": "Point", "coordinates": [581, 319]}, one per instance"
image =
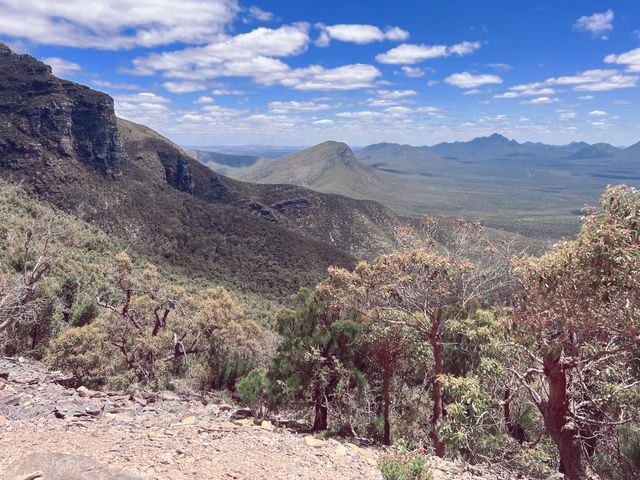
{"type": "Point", "coordinates": [320, 420]}
{"type": "Point", "coordinates": [386, 380]}
{"type": "Point", "coordinates": [515, 429]}
{"type": "Point", "coordinates": [435, 338]}
{"type": "Point", "coordinates": [561, 426]}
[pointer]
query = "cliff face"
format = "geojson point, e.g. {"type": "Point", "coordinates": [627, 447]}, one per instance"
{"type": "Point", "coordinates": [44, 119]}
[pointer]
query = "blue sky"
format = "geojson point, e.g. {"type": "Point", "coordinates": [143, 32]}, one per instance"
{"type": "Point", "coordinates": [223, 72]}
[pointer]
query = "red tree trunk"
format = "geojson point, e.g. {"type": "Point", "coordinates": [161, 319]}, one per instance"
{"type": "Point", "coordinates": [320, 420]}
{"type": "Point", "coordinates": [386, 380]}
{"type": "Point", "coordinates": [561, 426]}
{"type": "Point", "coordinates": [435, 338]}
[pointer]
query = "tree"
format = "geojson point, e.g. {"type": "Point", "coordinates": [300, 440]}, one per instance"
{"type": "Point", "coordinates": [578, 322]}
{"type": "Point", "coordinates": [315, 354]}
{"type": "Point", "coordinates": [388, 345]}
{"type": "Point", "coordinates": [33, 260]}
{"type": "Point", "coordinates": [422, 288]}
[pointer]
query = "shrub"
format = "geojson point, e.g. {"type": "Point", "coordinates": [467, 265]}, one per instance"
{"type": "Point", "coordinates": [403, 465]}
{"type": "Point", "coordinates": [254, 391]}
{"type": "Point", "coordinates": [85, 353]}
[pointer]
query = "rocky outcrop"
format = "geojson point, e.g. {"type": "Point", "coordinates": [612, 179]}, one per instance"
{"type": "Point", "coordinates": [46, 119]}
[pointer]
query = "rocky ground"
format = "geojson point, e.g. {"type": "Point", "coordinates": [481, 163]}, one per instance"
{"type": "Point", "coordinates": [51, 432]}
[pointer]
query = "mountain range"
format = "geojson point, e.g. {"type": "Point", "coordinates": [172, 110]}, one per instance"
{"type": "Point", "coordinates": [532, 189]}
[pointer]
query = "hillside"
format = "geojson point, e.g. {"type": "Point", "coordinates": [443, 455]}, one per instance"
{"type": "Point", "coordinates": [329, 167]}
{"type": "Point", "coordinates": [63, 142]}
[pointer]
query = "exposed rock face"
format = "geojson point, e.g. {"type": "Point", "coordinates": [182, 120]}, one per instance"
{"type": "Point", "coordinates": [48, 119]}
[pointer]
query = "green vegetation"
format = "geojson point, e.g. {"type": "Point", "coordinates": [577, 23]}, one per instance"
{"type": "Point", "coordinates": [467, 352]}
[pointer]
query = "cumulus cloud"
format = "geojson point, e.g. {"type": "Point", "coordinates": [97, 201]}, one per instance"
{"type": "Point", "coordinates": [542, 101]}
{"type": "Point", "coordinates": [203, 100]}
{"type": "Point", "coordinates": [184, 87]}
{"type": "Point", "coordinates": [358, 33]}
{"type": "Point", "coordinates": [114, 25]}
{"type": "Point", "coordinates": [587, 81]}
{"type": "Point", "coordinates": [295, 106]}
{"type": "Point", "coordinates": [225, 91]}
{"type": "Point", "coordinates": [597, 24]}
{"type": "Point", "coordinates": [258, 14]}
{"type": "Point", "coordinates": [409, 53]}
{"type": "Point", "coordinates": [254, 54]}
{"type": "Point", "coordinates": [469, 80]}
{"type": "Point", "coordinates": [631, 59]}
{"type": "Point", "coordinates": [412, 72]}
{"type": "Point", "coordinates": [395, 94]}
{"type": "Point", "coordinates": [597, 113]}
{"type": "Point", "coordinates": [62, 67]}
{"type": "Point", "coordinates": [116, 86]}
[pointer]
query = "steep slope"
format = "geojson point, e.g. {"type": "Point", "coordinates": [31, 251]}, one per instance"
{"type": "Point", "coordinates": [62, 141]}
{"type": "Point", "coordinates": [328, 167]}
{"type": "Point", "coordinates": [361, 228]}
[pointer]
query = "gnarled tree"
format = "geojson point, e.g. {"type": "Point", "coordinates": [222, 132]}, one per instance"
{"type": "Point", "coordinates": [579, 324]}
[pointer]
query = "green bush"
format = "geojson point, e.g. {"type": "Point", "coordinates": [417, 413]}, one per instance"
{"type": "Point", "coordinates": [85, 353]}
{"type": "Point", "coordinates": [403, 465]}
{"type": "Point", "coordinates": [254, 391]}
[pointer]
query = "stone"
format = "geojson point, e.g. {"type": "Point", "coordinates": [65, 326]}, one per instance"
{"type": "Point", "coordinates": [314, 442]}
{"type": "Point", "coordinates": [341, 450]}
{"type": "Point", "coordinates": [266, 425]}
{"type": "Point", "coordinates": [243, 422]}
{"type": "Point", "coordinates": [83, 391]}
{"type": "Point", "coordinates": [59, 466]}
{"type": "Point", "coordinates": [188, 419]}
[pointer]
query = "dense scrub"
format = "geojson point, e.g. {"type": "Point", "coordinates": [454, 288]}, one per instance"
{"type": "Point", "coordinates": [467, 350]}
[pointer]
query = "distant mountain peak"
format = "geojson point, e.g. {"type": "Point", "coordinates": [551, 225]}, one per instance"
{"type": "Point", "coordinates": [495, 139]}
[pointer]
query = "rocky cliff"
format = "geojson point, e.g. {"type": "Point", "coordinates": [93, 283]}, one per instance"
{"type": "Point", "coordinates": [46, 119]}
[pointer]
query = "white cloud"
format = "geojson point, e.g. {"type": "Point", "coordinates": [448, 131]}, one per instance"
{"type": "Point", "coordinates": [256, 13]}
{"type": "Point", "coordinates": [203, 100]}
{"type": "Point", "coordinates": [252, 55]}
{"type": "Point", "coordinates": [315, 77]}
{"type": "Point", "coordinates": [62, 67]}
{"type": "Point", "coordinates": [408, 53]}
{"type": "Point", "coordinates": [412, 72]}
{"type": "Point", "coordinates": [469, 80]}
{"type": "Point", "coordinates": [526, 90]}
{"type": "Point", "coordinates": [587, 81]}
{"type": "Point", "coordinates": [295, 106]}
{"type": "Point", "coordinates": [503, 67]}
{"type": "Point", "coordinates": [586, 97]}
{"type": "Point", "coordinates": [568, 115]}
{"type": "Point", "coordinates": [598, 23]}
{"type": "Point", "coordinates": [542, 101]}
{"type": "Point", "coordinates": [358, 33]}
{"type": "Point", "coordinates": [224, 91]}
{"type": "Point", "coordinates": [184, 87]}
{"type": "Point", "coordinates": [395, 94]}
{"type": "Point", "coordinates": [324, 121]}
{"type": "Point", "coordinates": [510, 94]}
{"type": "Point", "coordinates": [114, 25]}
{"type": "Point", "coordinates": [396, 34]}
{"type": "Point", "coordinates": [248, 51]}
{"type": "Point", "coordinates": [598, 113]}
{"type": "Point", "coordinates": [631, 59]}
{"type": "Point", "coordinates": [116, 86]}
